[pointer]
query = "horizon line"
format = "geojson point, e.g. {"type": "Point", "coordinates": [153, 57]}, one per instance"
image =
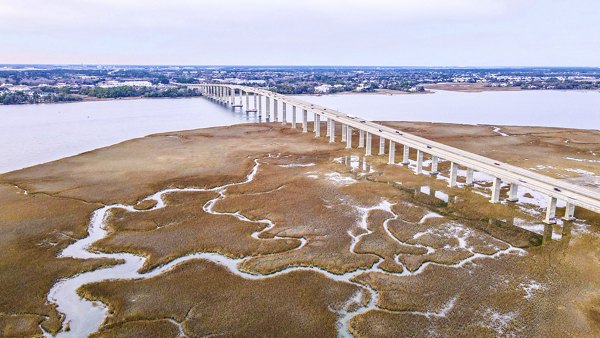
{"type": "Point", "coordinates": [289, 66]}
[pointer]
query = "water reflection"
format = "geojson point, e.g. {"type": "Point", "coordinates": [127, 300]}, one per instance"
{"type": "Point", "coordinates": [560, 231]}
{"type": "Point", "coordinates": [356, 163]}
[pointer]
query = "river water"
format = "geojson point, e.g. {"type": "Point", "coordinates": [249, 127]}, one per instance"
{"type": "Point", "coordinates": [34, 134]}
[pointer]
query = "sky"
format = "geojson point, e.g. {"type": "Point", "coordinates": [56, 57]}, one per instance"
{"type": "Point", "coordinates": [462, 33]}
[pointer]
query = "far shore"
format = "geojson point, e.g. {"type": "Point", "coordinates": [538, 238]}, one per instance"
{"type": "Point", "coordinates": [429, 89]}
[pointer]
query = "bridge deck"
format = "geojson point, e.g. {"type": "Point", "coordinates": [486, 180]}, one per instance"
{"type": "Point", "coordinates": [571, 193]}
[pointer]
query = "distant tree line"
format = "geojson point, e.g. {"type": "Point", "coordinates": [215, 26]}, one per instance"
{"type": "Point", "coordinates": [132, 91]}
{"type": "Point", "coordinates": [65, 94]}
{"type": "Point", "coordinates": [19, 97]}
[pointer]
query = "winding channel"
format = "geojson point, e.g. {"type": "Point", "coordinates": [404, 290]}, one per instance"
{"type": "Point", "coordinates": [85, 317]}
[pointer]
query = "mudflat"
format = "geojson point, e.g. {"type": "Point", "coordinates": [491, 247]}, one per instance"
{"type": "Point", "coordinates": [323, 240]}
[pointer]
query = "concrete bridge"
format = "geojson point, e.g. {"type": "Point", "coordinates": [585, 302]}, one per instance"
{"type": "Point", "coordinates": [253, 98]}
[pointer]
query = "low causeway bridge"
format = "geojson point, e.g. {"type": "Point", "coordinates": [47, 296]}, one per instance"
{"type": "Point", "coordinates": [242, 96]}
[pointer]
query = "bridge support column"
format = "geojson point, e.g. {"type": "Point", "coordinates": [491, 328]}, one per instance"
{"type": "Point", "coordinates": [294, 117]}
{"type": "Point", "coordinates": [419, 169]}
{"type": "Point", "coordinates": [283, 113]}
{"type": "Point", "coordinates": [569, 212]}
{"type": "Point", "coordinates": [247, 101]}
{"type": "Point", "coordinates": [232, 96]}
{"type": "Point", "coordinates": [361, 138]}
{"type": "Point", "coordinates": [317, 125]}
{"type": "Point", "coordinates": [469, 180]}
{"type": "Point", "coordinates": [241, 98]}
{"type": "Point", "coordinates": [512, 193]}
{"type": "Point", "coordinates": [369, 144]}
{"type": "Point", "coordinates": [392, 153]}
{"type": "Point", "coordinates": [434, 165]}
{"type": "Point", "coordinates": [260, 105]}
{"type": "Point", "coordinates": [551, 211]}
{"type": "Point", "coordinates": [406, 155]}
{"type": "Point", "coordinates": [381, 146]}
{"type": "Point", "coordinates": [348, 137]}
{"type": "Point", "coordinates": [275, 110]}
{"type": "Point", "coordinates": [453, 174]}
{"type": "Point", "coordinates": [304, 121]}
{"type": "Point", "coordinates": [268, 107]}
{"type": "Point", "coordinates": [344, 132]}
{"type": "Point", "coordinates": [496, 190]}
{"type": "Point", "coordinates": [328, 129]}
{"type": "Point", "coordinates": [331, 131]}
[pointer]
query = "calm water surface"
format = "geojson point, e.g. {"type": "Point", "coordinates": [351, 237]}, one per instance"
{"type": "Point", "coordinates": [34, 134]}
{"type": "Point", "coordinates": [571, 109]}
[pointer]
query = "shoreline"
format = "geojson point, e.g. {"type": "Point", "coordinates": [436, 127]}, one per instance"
{"type": "Point", "coordinates": [496, 128]}
{"type": "Point", "coordinates": [429, 89]}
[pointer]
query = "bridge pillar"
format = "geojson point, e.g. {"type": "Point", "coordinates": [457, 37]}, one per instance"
{"type": "Point", "coordinates": [419, 169]}
{"type": "Point", "coordinates": [369, 144]}
{"type": "Point", "coordinates": [344, 132]}
{"type": "Point", "coordinates": [406, 155]}
{"type": "Point", "coordinates": [551, 211]}
{"type": "Point", "coordinates": [469, 180]}
{"type": "Point", "coordinates": [247, 101]}
{"type": "Point", "coordinates": [392, 153]}
{"type": "Point", "coordinates": [328, 128]}
{"type": "Point", "coordinates": [434, 165]}
{"type": "Point", "coordinates": [241, 98]}
{"type": "Point", "coordinates": [254, 97]}
{"type": "Point", "coordinates": [381, 146]}
{"type": "Point", "coordinates": [317, 125]}
{"type": "Point", "coordinates": [268, 107]}
{"type": "Point", "coordinates": [512, 193]}
{"type": "Point", "coordinates": [348, 137]}
{"type": "Point", "coordinates": [275, 110]}
{"type": "Point", "coordinates": [304, 121]}
{"type": "Point", "coordinates": [361, 138]}
{"type": "Point", "coordinates": [294, 117]}
{"type": "Point", "coordinates": [569, 212]}
{"type": "Point", "coordinates": [331, 131]}
{"type": "Point", "coordinates": [283, 113]}
{"type": "Point", "coordinates": [496, 190]}
{"type": "Point", "coordinates": [453, 174]}
{"type": "Point", "coordinates": [260, 105]}
{"type": "Point", "coordinates": [232, 97]}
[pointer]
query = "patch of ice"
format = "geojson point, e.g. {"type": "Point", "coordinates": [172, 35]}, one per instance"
{"type": "Point", "coordinates": [497, 130]}
{"type": "Point", "coordinates": [582, 159]}
{"type": "Point", "coordinates": [429, 215]}
{"type": "Point", "coordinates": [580, 171]}
{"type": "Point", "coordinates": [294, 165]}
{"type": "Point", "coordinates": [530, 287]}
{"type": "Point", "coordinates": [498, 321]}
{"type": "Point", "coordinates": [338, 178]}
{"type": "Point", "coordinates": [437, 194]}
{"type": "Point", "coordinates": [535, 198]}
{"type": "Point", "coordinates": [537, 228]}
